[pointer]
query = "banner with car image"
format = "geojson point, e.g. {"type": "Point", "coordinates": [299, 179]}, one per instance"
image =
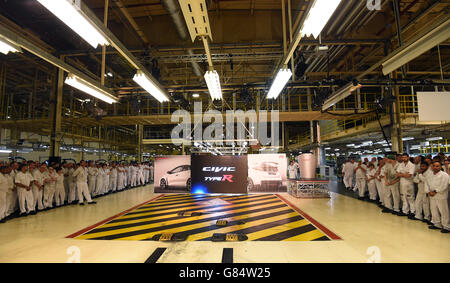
{"type": "Point", "coordinates": [267, 173]}
{"type": "Point", "coordinates": [173, 174]}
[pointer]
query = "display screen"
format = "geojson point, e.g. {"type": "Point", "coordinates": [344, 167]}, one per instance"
{"type": "Point", "coordinates": [219, 174]}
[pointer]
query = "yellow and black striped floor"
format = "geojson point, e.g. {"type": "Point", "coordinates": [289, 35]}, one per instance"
{"type": "Point", "coordinates": [260, 217]}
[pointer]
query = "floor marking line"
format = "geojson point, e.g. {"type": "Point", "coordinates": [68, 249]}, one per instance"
{"type": "Point", "coordinates": [82, 231]}
{"type": "Point", "coordinates": [195, 208]}
{"type": "Point", "coordinates": [227, 255]}
{"type": "Point", "coordinates": [312, 220]}
{"type": "Point", "coordinates": [153, 228]}
{"type": "Point", "coordinates": [155, 255]}
{"type": "Point", "coordinates": [134, 223]}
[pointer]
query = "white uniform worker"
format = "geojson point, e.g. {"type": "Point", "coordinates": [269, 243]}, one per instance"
{"type": "Point", "coordinates": [371, 185]}
{"type": "Point", "coordinates": [60, 193]}
{"type": "Point", "coordinates": [113, 179]}
{"type": "Point", "coordinates": [3, 192]}
{"type": "Point", "coordinates": [436, 186]}
{"type": "Point", "coordinates": [38, 187]}
{"type": "Point", "coordinates": [49, 187]}
{"type": "Point", "coordinates": [406, 171]}
{"type": "Point", "coordinates": [23, 181]}
{"type": "Point", "coordinates": [422, 203]}
{"type": "Point", "coordinates": [347, 172]}
{"type": "Point", "coordinates": [140, 175]}
{"type": "Point", "coordinates": [360, 172]}
{"type": "Point", "coordinates": [80, 176]}
{"type": "Point", "coordinates": [105, 179]}
{"type": "Point", "coordinates": [11, 194]}
{"type": "Point", "coordinates": [133, 175]}
{"type": "Point", "coordinates": [72, 197]}
{"type": "Point", "coordinates": [392, 192]}
{"type": "Point", "coordinates": [92, 177]}
{"type": "Point", "coordinates": [99, 184]}
{"type": "Point", "coordinates": [379, 181]}
{"type": "Point", "coordinates": [292, 169]}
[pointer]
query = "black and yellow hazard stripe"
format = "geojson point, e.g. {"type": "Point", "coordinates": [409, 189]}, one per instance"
{"type": "Point", "coordinates": [260, 217]}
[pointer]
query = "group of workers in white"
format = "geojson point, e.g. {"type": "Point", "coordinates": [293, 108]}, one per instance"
{"type": "Point", "coordinates": [29, 187]}
{"type": "Point", "coordinates": [413, 187]}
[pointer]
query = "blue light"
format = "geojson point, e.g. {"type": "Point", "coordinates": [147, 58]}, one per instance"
{"type": "Point", "coordinates": [199, 189]}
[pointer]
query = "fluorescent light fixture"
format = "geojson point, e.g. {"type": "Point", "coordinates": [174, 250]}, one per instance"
{"type": "Point", "coordinates": [195, 95]}
{"type": "Point", "coordinates": [213, 81]}
{"type": "Point", "coordinates": [351, 145]}
{"type": "Point", "coordinates": [408, 139]}
{"type": "Point", "coordinates": [5, 151]}
{"type": "Point", "coordinates": [318, 16]}
{"type": "Point", "coordinates": [340, 94]}
{"type": "Point", "coordinates": [141, 79]}
{"type": "Point", "coordinates": [89, 89]}
{"type": "Point", "coordinates": [6, 47]}
{"type": "Point", "coordinates": [417, 46]}
{"type": "Point", "coordinates": [435, 139]}
{"type": "Point", "coordinates": [327, 148]}
{"type": "Point", "coordinates": [279, 83]}
{"type": "Point", "coordinates": [69, 12]}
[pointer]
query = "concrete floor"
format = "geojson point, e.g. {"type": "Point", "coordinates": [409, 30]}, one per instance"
{"type": "Point", "coordinates": [367, 236]}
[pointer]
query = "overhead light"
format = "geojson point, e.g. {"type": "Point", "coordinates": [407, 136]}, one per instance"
{"type": "Point", "coordinates": [351, 145]}
{"type": "Point", "coordinates": [417, 46]}
{"type": "Point", "coordinates": [89, 89]}
{"type": "Point", "coordinates": [6, 47]}
{"type": "Point", "coordinates": [68, 11]}
{"type": "Point", "coordinates": [213, 82]}
{"type": "Point", "coordinates": [435, 139]}
{"type": "Point", "coordinates": [318, 16]}
{"type": "Point", "coordinates": [5, 151]}
{"type": "Point", "coordinates": [408, 139]}
{"type": "Point", "coordinates": [336, 149]}
{"type": "Point", "coordinates": [279, 83]}
{"type": "Point", "coordinates": [327, 148]}
{"type": "Point", "coordinates": [147, 84]}
{"type": "Point", "coordinates": [340, 94]}
{"type": "Point", "coordinates": [322, 48]}
{"type": "Point", "coordinates": [195, 95]}
{"type": "Point", "coordinates": [109, 74]}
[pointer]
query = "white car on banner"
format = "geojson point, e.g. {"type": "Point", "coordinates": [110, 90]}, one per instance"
{"type": "Point", "coordinates": [264, 176]}
{"type": "Point", "coordinates": [179, 176]}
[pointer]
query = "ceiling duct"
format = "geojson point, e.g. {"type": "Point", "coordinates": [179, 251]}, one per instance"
{"type": "Point", "coordinates": [174, 10]}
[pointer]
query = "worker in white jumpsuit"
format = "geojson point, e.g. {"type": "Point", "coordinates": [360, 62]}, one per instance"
{"type": "Point", "coordinates": [347, 174]}
{"type": "Point", "coordinates": [436, 186]}
{"type": "Point", "coordinates": [371, 185]}
{"type": "Point", "coordinates": [80, 176]}
{"type": "Point", "coordinates": [360, 172]}
{"type": "Point", "coordinates": [129, 172]}
{"type": "Point", "coordinates": [72, 197]}
{"type": "Point", "coordinates": [49, 187]}
{"type": "Point", "coordinates": [11, 194]}
{"type": "Point", "coordinates": [133, 175]}
{"type": "Point", "coordinates": [3, 192]}
{"type": "Point", "coordinates": [120, 177]}
{"type": "Point", "coordinates": [140, 175]}
{"type": "Point", "coordinates": [292, 169]}
{"type": "Point", "coordinates": [23, 181]}
{"type": "Point", "coordinates": [66, 179]}
{"type": "Point", "coordinates": [422, 203]}
{"type": "Point", "coordinates": [392, 191]}
{"type": "Point", "coordinates": [100, 178]}
{"type": "Point", "coordinates": [113, 178]}
{"type": "Point", "coordinates": [379, 182]}
{"type": "Point", "coordinates": [92, 178]}
{"type": "Point", "coordinates": [105, 178]}
{"type": "Point", "coordinates": [405, 172]}
{"type": "Point", "coordinates": [60, 193]}
{"type": "Point", "coordinates": [38, 186]}
{"type": "Point", "coordinates": [151, 173]}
